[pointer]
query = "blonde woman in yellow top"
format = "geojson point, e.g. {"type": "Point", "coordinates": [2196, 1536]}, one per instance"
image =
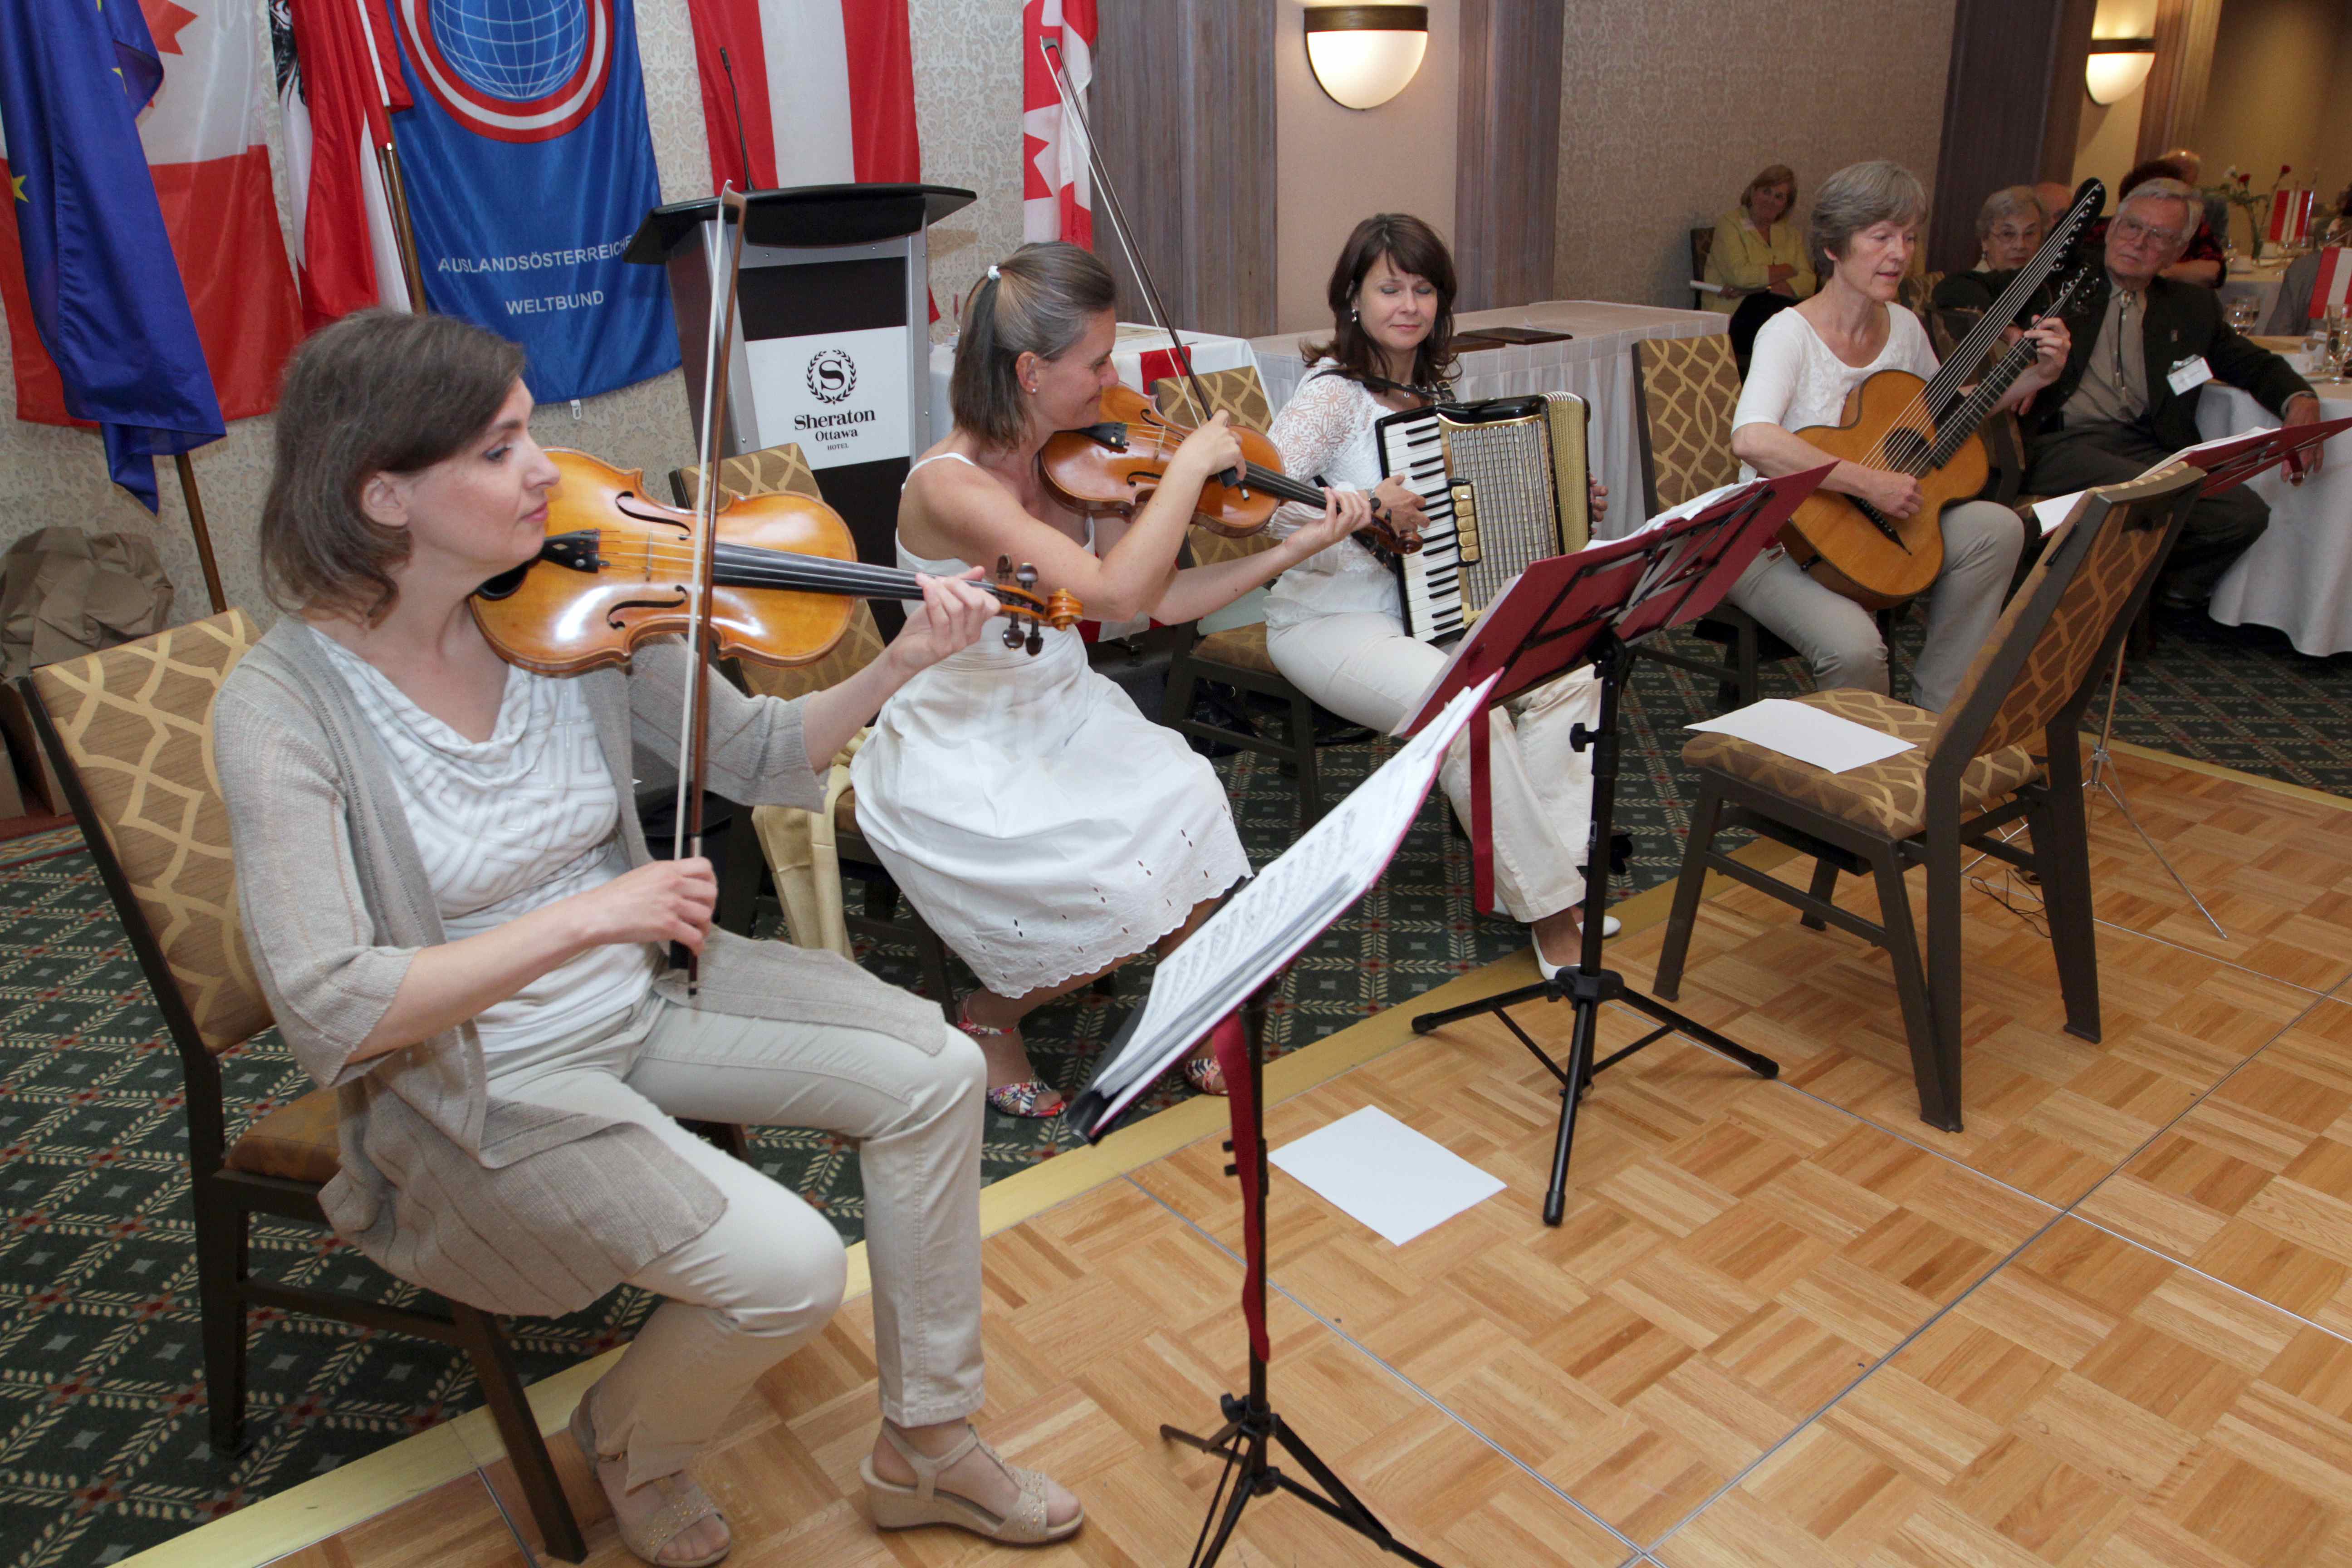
{"type": "Point", "coordinates": [1758, 247]}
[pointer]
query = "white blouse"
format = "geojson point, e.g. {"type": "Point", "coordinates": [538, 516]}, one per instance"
{"type": "Point", "coordinates": [508, 826]}
{"type": "Point", "coordinates": [1795, 382]}
{"type": "Point", "coordinates": [1325, 432]}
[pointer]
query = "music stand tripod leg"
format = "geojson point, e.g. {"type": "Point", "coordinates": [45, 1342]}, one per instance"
{"type": "Point", "coordinates": [1252, 1426]}
{"type": "Point", "coordinates": [1589, 985]}
{"type": "Point", "coordinates": [2103, 764]}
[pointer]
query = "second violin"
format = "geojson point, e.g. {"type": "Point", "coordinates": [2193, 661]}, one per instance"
{"type": "Point", "coordinates": [1111, 467]}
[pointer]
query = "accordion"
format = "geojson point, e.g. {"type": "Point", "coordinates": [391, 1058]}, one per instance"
{"type": "Point", "coordinates": [1503, 483]}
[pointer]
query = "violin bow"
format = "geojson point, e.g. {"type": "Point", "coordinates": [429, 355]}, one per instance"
{"type": "Point", "coordinates": [694, 723]}
{"type": "Point", "coordinates": [1052, 50]}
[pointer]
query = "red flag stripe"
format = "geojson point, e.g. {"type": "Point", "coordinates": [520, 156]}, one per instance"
{"type": "Point", "coordinates": [735, 24]}
{"type": "Point", "coordinates": [881, 90]}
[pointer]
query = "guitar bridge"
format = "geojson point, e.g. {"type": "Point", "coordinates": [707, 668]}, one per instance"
{"type": "Point", "coordinates": [1878, 521]}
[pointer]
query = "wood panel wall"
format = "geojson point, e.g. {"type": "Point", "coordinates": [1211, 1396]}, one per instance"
{"type": "Point", "coordinates": [2016, 74]}
{"type": "Point", "coordinates": [1183, 104]}
{"type": "Point", "coordinates": [1507, 196]}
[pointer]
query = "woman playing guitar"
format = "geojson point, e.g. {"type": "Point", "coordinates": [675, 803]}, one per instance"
{"type": "Point", "coordinates": [1808, 361]}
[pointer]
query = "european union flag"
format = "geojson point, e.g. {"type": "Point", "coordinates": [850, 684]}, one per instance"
{"type": "Point", "coordinates": [106, 292]}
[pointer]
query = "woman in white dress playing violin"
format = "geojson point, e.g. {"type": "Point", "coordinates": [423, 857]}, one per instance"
{"type": "Point", "coordinates": [1043, 828]}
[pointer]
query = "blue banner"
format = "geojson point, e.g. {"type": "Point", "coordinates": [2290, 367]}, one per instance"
{"type": "Point", "coordinates": [528, 164]}
{"type": "Point", "coordinates": [105, 293]}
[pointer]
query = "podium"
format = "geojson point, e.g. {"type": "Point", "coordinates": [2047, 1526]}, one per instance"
{"type": "Point", "coordinates": [831, 333]}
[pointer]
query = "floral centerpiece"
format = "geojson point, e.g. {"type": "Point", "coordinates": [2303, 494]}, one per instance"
{"type": "Point", "coordinates": [2237, 188]}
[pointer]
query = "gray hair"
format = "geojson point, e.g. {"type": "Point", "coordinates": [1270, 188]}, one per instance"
{"type": "Point", "coordinates": [1857, 196]}
{"type": "Point", "coordinates": [1041, 300]}
{"type": "Point", "coordinates": [2011, 201]}
{"type": "Point", "coordinates": [2167, 191]}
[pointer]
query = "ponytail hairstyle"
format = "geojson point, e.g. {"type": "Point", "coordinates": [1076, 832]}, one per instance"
{"type": "Point", "coordinates": [1039, 300]}
{"type": "Point", "coordinates": [1412, 246]}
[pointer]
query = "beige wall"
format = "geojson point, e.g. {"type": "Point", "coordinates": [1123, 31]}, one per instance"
{"type": "Point", "coordinates": [1669, 105]}
{"type": "Point", "coordinates": [967, 103]}
{"type": "Point", "coordinates": [1334, 167]}
{"type": "Point", "coordinates": [2107, 138]}
{"type": "Point", "coordinates": [2270, 102]}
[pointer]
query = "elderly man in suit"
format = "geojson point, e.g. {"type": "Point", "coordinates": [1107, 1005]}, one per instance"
{"type": "Point", "coordinates": [2128, 394]}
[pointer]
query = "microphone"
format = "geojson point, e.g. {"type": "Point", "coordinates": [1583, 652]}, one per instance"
{"type": "Point", "coordinates": [741, 151]}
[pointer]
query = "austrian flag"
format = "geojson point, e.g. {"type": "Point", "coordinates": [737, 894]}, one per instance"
{"type": "Point", "coordinates": [812, 93]}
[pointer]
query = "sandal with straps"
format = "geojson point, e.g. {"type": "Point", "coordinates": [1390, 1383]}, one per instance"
{"type": "Point", "coordinates": [1013, 1098]}
{"type": "Point", "coordinates": [899, 1507]}
{"type": "Point", "coordinates": [684, 1504]}
{"type": "Point", "coordinates": [1206, 1075]}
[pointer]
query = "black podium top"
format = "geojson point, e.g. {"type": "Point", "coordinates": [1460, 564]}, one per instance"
{"type": "Point", "coordinates": [806, 216]}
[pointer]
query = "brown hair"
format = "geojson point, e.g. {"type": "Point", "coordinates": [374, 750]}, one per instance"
{"type": "Point", "coordinates": [1774, 174]}
{"type": "Point", "coordinates": [378, 392]}
{"type": "Point", "coordinates": [1413, 247]}
{"type": "Point", "coordinates": [2164, 168]}
{"type": "Point", "coordinates": [1039, 300]}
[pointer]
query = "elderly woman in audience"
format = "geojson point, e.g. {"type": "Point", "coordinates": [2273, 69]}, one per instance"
{"type": "Point", "coordinates": [1758, 248]}
{"type": "Point", "coordinates": [2009, 229]}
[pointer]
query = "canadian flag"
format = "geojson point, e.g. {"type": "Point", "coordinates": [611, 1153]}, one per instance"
{"type": "Point", "coordinates": [2332, 284]}
{"type": "Point", "coordinates": [204, 138]}
{"type": "Point", "coordinates": [813, 92]}
{"type": "Point", "coordinates": [1056, 193]}
{"type": "Point", "coordinates": [338, 79]}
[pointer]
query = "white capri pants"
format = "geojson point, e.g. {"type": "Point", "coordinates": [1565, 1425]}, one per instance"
{"type": "Point", "coordinates": [1364, 668]}
{"type": "Point", "coordinates": [768, 1274]}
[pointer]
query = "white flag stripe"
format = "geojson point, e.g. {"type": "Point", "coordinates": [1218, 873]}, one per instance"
{"type": "Point", "coordinates": [209, 106]}
{"type": "Point", "coordinates": [808, 91]}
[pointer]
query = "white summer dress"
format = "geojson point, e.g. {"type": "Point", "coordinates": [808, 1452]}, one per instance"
{"type": "Point", "coordinates": [1041, 825]}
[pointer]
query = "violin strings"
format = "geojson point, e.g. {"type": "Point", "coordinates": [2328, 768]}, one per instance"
{"type": "Point", "coordinates": [752, 566]}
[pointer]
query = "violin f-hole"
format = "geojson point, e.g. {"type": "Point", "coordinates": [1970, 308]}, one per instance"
{"type": "Point", "coordinates": [612, 615]}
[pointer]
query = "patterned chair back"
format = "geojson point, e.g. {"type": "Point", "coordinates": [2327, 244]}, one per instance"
{"type": "Point", "coordinates": [2129, 527]}
{"type": "Point", "coordinates": [768, 471]}
{"type": "Point", "coordinates": [136, 723]}
{"type": "Point", "coordinates": [1237, 393]}
{"type": "Point", "coordinates": [1685, 391]}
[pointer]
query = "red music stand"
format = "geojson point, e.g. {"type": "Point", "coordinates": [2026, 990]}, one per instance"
{"type": "Point", "coordinates": [1284, 909]}
{"type": "Point", "coordinates": [1592, 607]}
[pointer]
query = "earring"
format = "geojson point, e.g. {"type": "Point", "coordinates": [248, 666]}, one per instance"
{"type": "Point", "coordinates": [1351, 313]}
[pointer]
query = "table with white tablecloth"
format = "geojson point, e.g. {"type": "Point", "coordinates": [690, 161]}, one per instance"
{"type": "Point", "coordinates": [2255, 280]}
{"type": "Point", "coordinates": [2298, 575]}
{"type": "Point", "coordinates": [1593, 363]}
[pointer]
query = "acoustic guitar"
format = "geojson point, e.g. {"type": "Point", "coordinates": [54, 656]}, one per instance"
{"type": "Point", "coordinates": [1928, 429]}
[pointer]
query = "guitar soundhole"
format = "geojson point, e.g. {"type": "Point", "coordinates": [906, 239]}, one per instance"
{"type": "Point", "coordinates": [1907, 451]}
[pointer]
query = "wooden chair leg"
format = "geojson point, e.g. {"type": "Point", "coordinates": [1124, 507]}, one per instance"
{"type": "Point", "coordinates": [739, 877]}
{"type": "Point", "coordinates": [934, 954]}
{"type": "Point", "coordinates": [2062, 854]}
{"type": "Point", "coordinates": [1940, 1105]}
{"type": "Point", "coordinates": [1176, 698]}
{"type": "Point", "coordinates": [1943, 960]}
{"type": "Point", "coordinates": [221, 1264]}
{"type": "Point", "coordinates": [1824, 884]}
{"type": "Point", "coordinates": [1751, 662]}
{"type": "Point", "coordinates": [486, 1343]}
{"type": "Point", "coordinates": [1668, 981]}
{"type": "Point", "coordinates": [1302, 741]}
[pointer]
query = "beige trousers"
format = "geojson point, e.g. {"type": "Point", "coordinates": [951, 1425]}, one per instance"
{"type": "Point", "coordinates": [1364, 668]}
{"type": "Point", "coordinates": [769, 1273]}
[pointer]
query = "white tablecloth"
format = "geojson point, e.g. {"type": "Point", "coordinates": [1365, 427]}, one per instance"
{"type": "Point", "coordinates": [2298, 575]}
{"type": "Point", "coordinates": [1593, 365]}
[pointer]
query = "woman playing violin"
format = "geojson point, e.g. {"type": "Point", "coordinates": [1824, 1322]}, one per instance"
{"type": "Point", "coordinates": [1043, 828]}
{"type": "Point", "coordinates": [451, 908]}
{"type": "Point", "coordinates": [1334, 627]}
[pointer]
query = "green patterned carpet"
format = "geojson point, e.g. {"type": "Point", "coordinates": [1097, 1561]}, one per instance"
{"type": "Point", "coordinates": [102, 1448]}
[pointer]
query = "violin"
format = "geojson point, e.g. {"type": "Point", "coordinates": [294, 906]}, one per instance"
{"type": "Point", "coordinates": [618, 567]}
{"type": "Point", "coordinates": [1112, 466]}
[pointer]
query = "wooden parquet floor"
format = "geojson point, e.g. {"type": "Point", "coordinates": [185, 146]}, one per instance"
{"type": "Point", "coordinates": [1785, 1324]}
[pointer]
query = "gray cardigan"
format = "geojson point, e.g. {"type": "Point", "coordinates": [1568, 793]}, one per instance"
{"type": "Point", "coordinates": [507, 1206]}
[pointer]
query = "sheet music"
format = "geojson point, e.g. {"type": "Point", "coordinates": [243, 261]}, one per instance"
{"type": "Point", "coordinates": [1265, 924]}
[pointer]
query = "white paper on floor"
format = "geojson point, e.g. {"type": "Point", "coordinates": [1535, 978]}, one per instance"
{"type": "Point", "coordinates": [1810, 734]}
{"type": "Point", "coordinates": [1375, 1168]}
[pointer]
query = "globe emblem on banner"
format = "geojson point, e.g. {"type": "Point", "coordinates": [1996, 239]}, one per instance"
{"type": "Point", "coordinates": [831, 375]}
{"type": "Point", "coordinates": [514, 70]}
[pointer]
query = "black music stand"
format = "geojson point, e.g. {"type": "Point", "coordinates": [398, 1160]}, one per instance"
{"type": "Point", "coordinates": [1253, 1429]}
{"type": "Point", "coordinates": [1592, 607]}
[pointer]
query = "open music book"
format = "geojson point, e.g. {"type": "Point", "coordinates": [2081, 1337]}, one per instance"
{"type": "Point", "coordinates": [1266, 925]}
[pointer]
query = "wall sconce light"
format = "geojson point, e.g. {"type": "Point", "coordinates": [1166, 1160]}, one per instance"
{"type": "Point", "coordinates": [1363, 56]}
{"type": "Point", "coordinates": [2116, 67]}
